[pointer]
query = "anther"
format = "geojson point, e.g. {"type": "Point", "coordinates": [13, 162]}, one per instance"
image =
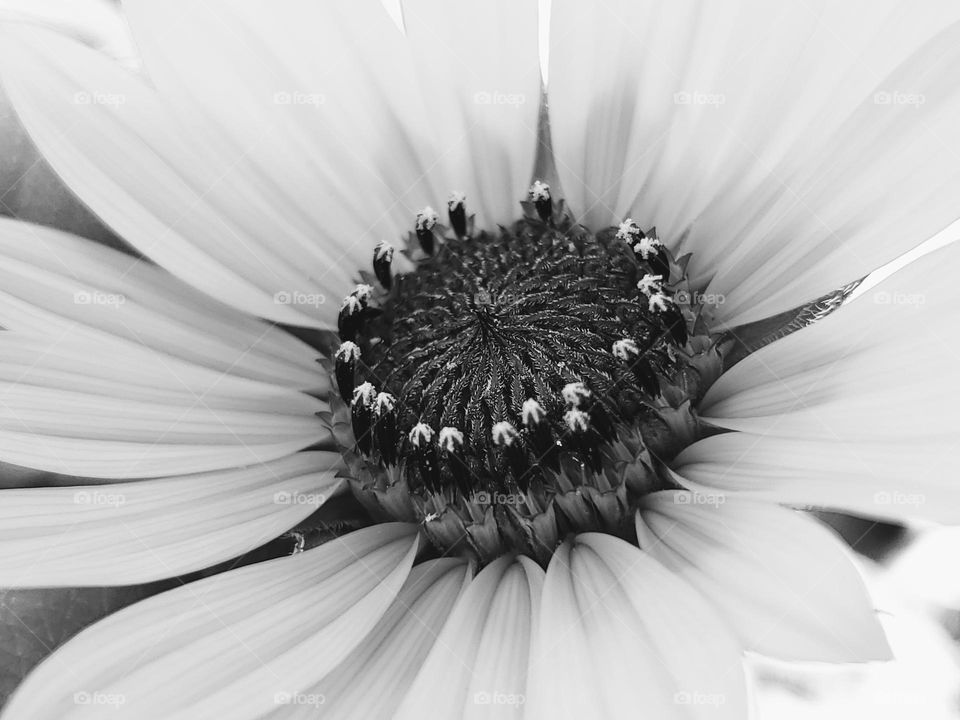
{"type": "Point", "coordinates": [532, 413]}
{"type": "Point", "coordinates": [451, 446]}
{"type": "Point", "coordinates": [426, 221]}
{"type": "Point", "coordinates": [346, 359]}
{"type": "Point", "coordinates": [649, 249]}
{"type": "Point", "coordinates": [625, 349]}
{"type": "Point", "coordinates": [504, 434]}
{"type": "Point", "coordinates": [382, 258]}
{"type": "Point", "coordinates": [539, 432]}
{"type": "Point", "coordinates": [506, 437]}
{"type": "Point", "coordinates": [577, 421]}
{"type": "Point", "coordinates": [421, 437]}
{"type": "Point", "coordinates": [457, 211]}
{"type": "Point", "coordinates": [575, 393]}
{"type": "Point", "coordinates": [628, 231]}
{"type": "Point", "coordinates": [650, 284]}
{"type": "Point", "coordinates": [352, 310]}
{"type": "Point", "coordinates": [540, 196]}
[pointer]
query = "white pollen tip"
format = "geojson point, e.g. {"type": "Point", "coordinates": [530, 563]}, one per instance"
{"type": "Point", "coordinates": [504, 433]}
{"type": "Point", "coordinates": [384, 403]}
{"type": "Point", "coordinates": [383, 250]}
{"type": "Point", "coordinates": [659, 302]}
{"type": "Point", "coordinates": [421, 435]}
{"type": "Point", "coordinates": [451, 439]}
{"type": "Point", "coordinates": [363, 292]}
{"type": "Point", "coordinates": [353, 303]}
{"type": "Point", "coordinates": [427, 218]}
{"type": "Point", "coordinates": [364, 393]}
{"type": "Point", "coordinates": [647, 246]}
{"type": "Point", "coordinates": [625, 349]}
{"type": "Point", "coordinates": [539, 191]}
{"type": "Point", "coordinates": [348, 351]}
{"type": "Point", "coordinates": [532, 412]}
{"type": "Point", "coordinates": [577, 420]}
{"type": "Point", "coordinates": [628, 230]}
{"type": "Point", "coordinates": [574, 393]}
{"type": "Point", "coordinates": [650, 284]}
{"type": "Point", "coordinates": [456, 199]}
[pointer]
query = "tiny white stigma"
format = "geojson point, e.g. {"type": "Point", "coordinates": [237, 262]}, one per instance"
{"type": "Point", "coordinates": [532, 412]}
{"type": "Point", "coordinates": [384, 250]}
{"type": "Point", "coordinates": [574, 393]}
{"type": "Point", "coordinates": [659, 302]}
{"type": "Point", "coordinates": [451, 439]}
{"type": "Point", "coordinates": [421, 435]}
{"type": "Point", "coordinates": [577, 420]}
{"type": "Point", "coordinates": [348, 351]}
{"type": "Point", "coordinates": [353, 303]}
{"type": "Point", "coordinates": [427, 218]}
{"type": "Point", "coordinates": [363, 292]}
{"type": "Point", "coordinates": [456, 199]}
{"type": "Point", "coordinates": [384, 403]}
{"type": "Point", "coordinates": [647, 246]}
{"type": "Point", "coordinates": [625, 349]}
{"type": "Point", "coordinates": [650, 284]}
{"type": "Point", "coordinates": [628, 230]}
{"type": "Point", "coordinates": [364, 393]}
{"type": "Point", "coordinates": [504, 433]}
{"type": "Point", "coordinates": [539, 191]}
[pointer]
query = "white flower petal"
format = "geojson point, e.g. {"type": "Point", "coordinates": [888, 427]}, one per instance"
{"type": "Point", "coordinates": [852, 412]}
{"type": "Point", "coordinates": [753, 134]}
{"type": "Point", "coordinates": [482, 651]}
{"type": "Point", "coordinates": [58, 285]}
{"type": "Point", "coordinates": [80, 409]}
{"type": "Point", "coordinates": [372, 680]}
{"type": "Point", "coordinates": [781, 579]}
{"type": "Point", "coordinates": [95, 22]}
{"type": "Point", "coordinates": [622, 636]}
{"type": "Point", "coordinates": [125, 533]}
{"type": "Point", "coordinates": [234, 645]}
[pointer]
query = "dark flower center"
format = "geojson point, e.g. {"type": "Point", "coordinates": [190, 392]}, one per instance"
{"type": "Point", "coordinates": [518, 384]}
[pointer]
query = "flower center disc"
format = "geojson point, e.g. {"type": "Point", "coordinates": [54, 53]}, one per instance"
{"type": "Point", "coordinates": [518, 384]}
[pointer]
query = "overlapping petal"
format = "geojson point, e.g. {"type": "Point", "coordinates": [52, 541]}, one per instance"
{"type": "Point", "coordinates": [621, 634]}
{"type": "Point", "coordinates": [134, 532]}
{"type": "Point", "coordinates": [239, 644]}
{"type": "Point", "coordinates": [279, 147]}
{"type": "Point", "coordinates": [853, 412]}
{"type": "Point", "coordinates": [781, 580]}
{"type": "Point", "coordinates": [766, 138]}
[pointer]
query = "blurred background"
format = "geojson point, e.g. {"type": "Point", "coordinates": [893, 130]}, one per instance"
{"type": "Point", "coordinates": [912, 572]}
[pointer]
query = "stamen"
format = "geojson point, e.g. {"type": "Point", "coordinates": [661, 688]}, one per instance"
{"type": "Point", "coordinates": [457, 211]}
{"type": "Point", "coordinates": [353, 311]}
{"type": "Point", "coordinates": [625, 349]}
{"type": "Point", "coordinates": [650, 284]}
{"type": "Point", "coordinates": [504, 433]}
{"type": "Point", "coordinates": [427, 219]}
{"type": "Point", "coordinates": [540, 196]}
{"type": "Point", "coordinates": [382, 258]}
{"type": "Point", "coordinates": [345, 369]}
{"type": "Point", "coordinates": [575, 393]}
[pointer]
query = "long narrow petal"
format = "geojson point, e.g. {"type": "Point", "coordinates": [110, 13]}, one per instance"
{"type": "Point", "coordinates": [58, 285]}
{"type": "Point", "coordinates": [390, 657]}
{"type": "Point", "coordinates": [852, 412]}
{"type": "Point", "coordinates": [234, 645]}
{"type": "Point", "coordinates": [783, 581]}
{"type": "Point", "coordinates": [126, 533]}
{"type": "Point", "coordinates": [77, 408]}
{"type": "Point", "coordinates": [483, 650]}
{"type": "Point", "coordinates": [765, 138]}
{"type": "Point", "coordinates": [620, 635]}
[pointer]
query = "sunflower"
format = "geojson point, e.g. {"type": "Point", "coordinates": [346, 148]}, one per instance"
{"type": "Point", "coordinates": [578, 439]}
